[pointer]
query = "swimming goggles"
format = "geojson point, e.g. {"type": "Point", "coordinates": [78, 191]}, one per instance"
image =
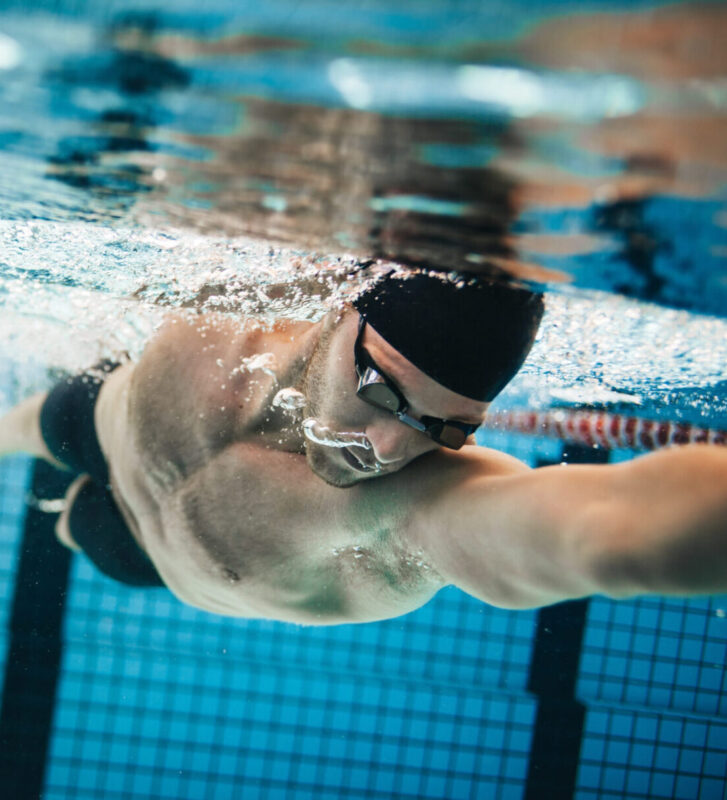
{"type": "Point", "coordinates": [378, 390]}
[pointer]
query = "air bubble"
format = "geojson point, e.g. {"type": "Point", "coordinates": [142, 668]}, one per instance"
{"type": "Point", "coordinates": [320, 434]}
{"type": "Point", "coordinates": [289, 399]}
{"type": "Point", "coordinates": [265, 362]}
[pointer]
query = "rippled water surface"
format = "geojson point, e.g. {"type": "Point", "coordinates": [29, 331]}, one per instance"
{"type": "Point", "coordinates": [246, 157]}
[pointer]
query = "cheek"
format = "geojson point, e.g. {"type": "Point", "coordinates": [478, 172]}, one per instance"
{"type": "Point", "coordinates": [330, 401]}
{"type": "Point", "coordinates": [338, 396]}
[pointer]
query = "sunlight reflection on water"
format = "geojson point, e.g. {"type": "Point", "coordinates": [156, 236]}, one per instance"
{"type": "Point", "coordinates": [155, 160]}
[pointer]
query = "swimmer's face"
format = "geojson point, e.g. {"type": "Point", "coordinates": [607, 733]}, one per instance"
{"type": "Point", "coordinates": [330, 388]}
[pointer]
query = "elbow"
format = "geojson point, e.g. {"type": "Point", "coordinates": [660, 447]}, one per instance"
{"type": "Point", "coordinates": [619, 572]}
{"type": "Point", "coordinates": [624, 564]}
{"type": "Point", "coordinates": [612, 560]}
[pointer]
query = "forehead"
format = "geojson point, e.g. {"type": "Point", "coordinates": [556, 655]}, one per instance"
{"type": "Point", "coordinates": [424, 394]}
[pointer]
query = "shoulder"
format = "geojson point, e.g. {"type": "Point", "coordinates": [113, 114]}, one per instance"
{"type": "Point", "coordinates": [110, 412]}
{"type": "Point", "coordinates": [188, 334]}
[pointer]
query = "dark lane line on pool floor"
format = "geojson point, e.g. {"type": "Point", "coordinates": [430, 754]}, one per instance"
{"type": "Point", "coordinates": [35, 647]}
{"type": "Point", "coordinates": [558, 728]}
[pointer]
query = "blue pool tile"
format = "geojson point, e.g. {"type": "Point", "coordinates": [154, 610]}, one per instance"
{"type": "Point", "coordinates": [597, 721]}
{"type": "Point", "coordinates": [616, 665]}
{"type": "Point", "coordinates": [683, 699]}
{"type": "Point", "coordinates": [515, 766]}
{"type": "Point", "coordinates": [715, 764]}
{"type": "Point", "coordinates": [695, 734]}
{"type": "Point", "coordinates": [642, 754]}
{"type": "Point", "coordinates": [664, 672]}
{"type": "Point", "coordinates": [715, 653]}
{"type": "Point", "coordinates": [639, 669]}
{"type": "Point", "coordinates": [508, 791]}
{"type": "Point", "coordinates": [637, 781]}
{"type": "Point", "coordinates": [646, 617]}
{"type": "Point", "coordinates": [617, 752]}
{"type": "Point", "coordinates": [620, 640]}
{"type": "Point", "coordinates": [490, 764]}
{"type": "Point", "coordinates": [613, 779]}
{"type": "Point", "coordinates": [666, 758]}
{"type": "Point", "coordinates": [520, 741]}
{"type": "Point", "coordinates": [593, 748]}
{"type": "Point", "coordinates": [659, 698]}
{"type": "Point", "coordinates": [636, 695]}
{"type": "Point", "coordinates": [691, 760]}
{"type": "Point", "coordinates": [711, 789]}
{"type": "Point", "coordinates": [588, 687]}
{"type": "Point", "coordinates": [589, 775]}
{"type": "Point", "coordinates": [644, 643]}
{"type": "Point", "coordinates": [662, 785]}
{"type": "Point", "coordinates": [711, 678]}
{"type": "Point", "coordinates": [670, 730]}
{"type": "Point", "coordinates": [708, 704]}
{"type": "Point", "coordinates": [672, 621]}
{"type": "Point", "coordinates": [434, 786]}
{"type": "Point", "coordinates": [622, 724]}
{"type": "Point", "coordinates": [646, 727]}
{"type": "Point", "coordinates": [667, 646]}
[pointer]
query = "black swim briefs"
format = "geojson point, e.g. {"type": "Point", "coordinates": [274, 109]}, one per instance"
{"type": "Point", "coordinates": [96, 524]}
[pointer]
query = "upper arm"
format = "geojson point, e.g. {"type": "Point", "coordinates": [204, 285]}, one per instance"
{"type": "Point", "coordinates": [513, 540]}
{"type": "Point", "coordinates": [654, 524]}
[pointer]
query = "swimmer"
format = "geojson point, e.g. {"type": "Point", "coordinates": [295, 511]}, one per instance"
{"type": "Point", "coordinates": [323, 473]}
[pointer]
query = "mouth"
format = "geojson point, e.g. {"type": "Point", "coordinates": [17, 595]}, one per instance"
{"type": "Point", "coordinates": [352, 459]}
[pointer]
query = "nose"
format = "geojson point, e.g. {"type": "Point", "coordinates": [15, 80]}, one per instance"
{"type": "Point", "coordinates": [393, 442]}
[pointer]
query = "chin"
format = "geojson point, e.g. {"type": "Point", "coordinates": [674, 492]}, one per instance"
{"type": "Point", "coordinates": [320, 463]}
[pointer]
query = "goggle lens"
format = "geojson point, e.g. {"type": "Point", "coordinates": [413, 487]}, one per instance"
{"type": "Point", "coordinates": [374, 389]}
{"type": "Point", "coordinates": [449, 436]}
{"type": "Point", "coordinates": [379, 395]}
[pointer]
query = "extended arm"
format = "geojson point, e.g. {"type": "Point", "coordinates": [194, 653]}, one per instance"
{"type": "Point", "coordinates": [477, 519]}
{"type": "Point", "coordinates": [657, 524]}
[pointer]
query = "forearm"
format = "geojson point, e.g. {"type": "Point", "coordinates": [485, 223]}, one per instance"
{"type": "Point", "coordinates": [20, 430]}
{"type": "Point", "coordinates": [667, 534]}
{"type": "Point", "coordinates": [498, 530]}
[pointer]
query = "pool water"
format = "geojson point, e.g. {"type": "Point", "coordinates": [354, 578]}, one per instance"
{"type": "Point", "coordinates": [150, 156]}
{"type": "Point", "coordinates": [139, 696]}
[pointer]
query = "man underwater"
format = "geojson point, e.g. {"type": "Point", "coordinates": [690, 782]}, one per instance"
{"type": "Point", "coordinates": [200, 468]}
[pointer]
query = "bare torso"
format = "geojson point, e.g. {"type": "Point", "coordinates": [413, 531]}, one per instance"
{"type": "Point", "coordinates": [215, 485]}
{"type": "Point", "coordinates": [219, 495]}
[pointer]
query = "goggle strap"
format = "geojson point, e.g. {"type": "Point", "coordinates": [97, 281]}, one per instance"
{"type": "Point", "coordinates": [411, 421]}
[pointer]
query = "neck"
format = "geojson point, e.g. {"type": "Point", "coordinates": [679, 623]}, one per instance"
{"type": "Point", "coordinates": [292, 344]}
{"type": "Point", "coordinates": [300, 340]}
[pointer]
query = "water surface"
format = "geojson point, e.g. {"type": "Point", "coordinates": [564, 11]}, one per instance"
{"type": "Point", "coordinates": [224, 157]}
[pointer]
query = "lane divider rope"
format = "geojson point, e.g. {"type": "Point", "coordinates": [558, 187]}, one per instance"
{"type": "Point", "coordinates": [600, 428]}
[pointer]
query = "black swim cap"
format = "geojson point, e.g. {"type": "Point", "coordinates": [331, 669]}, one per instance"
{"type": "Point", "coordinates": [469, 335]}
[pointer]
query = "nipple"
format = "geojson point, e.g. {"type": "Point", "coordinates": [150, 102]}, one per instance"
{"type": "Point", "coordinates": [320, 434]}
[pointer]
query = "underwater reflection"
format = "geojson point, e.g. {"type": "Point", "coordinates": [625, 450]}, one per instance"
{"type": "Point", "coordinates": [552, 155]}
